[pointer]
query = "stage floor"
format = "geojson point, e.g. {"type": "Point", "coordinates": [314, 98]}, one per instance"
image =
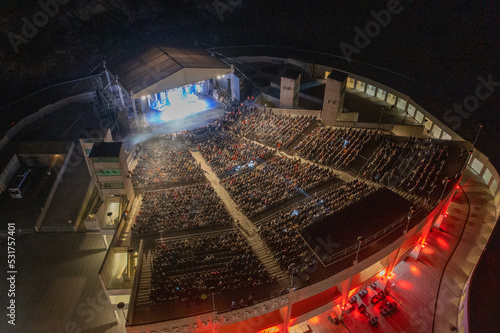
{"type": "Point", "coordinates": [179, 110]}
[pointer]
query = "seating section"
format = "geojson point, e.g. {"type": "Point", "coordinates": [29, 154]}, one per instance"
{"type": "Point", "coordinates": [227, 153]}
{"type": "Point", "coordinates": [276, 131]}
{"type": "Point", "coordinates": [412, 166]}
{"type": "Point", "coordinates": [335, 146]}
{"type": "Point", "coordinates": [185, 207]}
{"type": "Point", "coordinates": [271, 184]}
{"type": "Point", "coordinates": [187, 269]}
{"type": "Point", "coordinates": [198, 135]}
{"type": "Point", "coordinates": [281, 233]}
{"type": "Point", "coordinates": [163, 160]}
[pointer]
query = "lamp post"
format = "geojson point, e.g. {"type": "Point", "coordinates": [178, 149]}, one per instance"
{"type": "Point", "coordinates": [382, 108]}
{"type": "Point", "coordinates": [477, 135]}
{"type": "Point", "coordinates": [471, 149]}
{"type": "Point", "coordinates": [360, 240]}
{"type": "Point", "coordinates": [409, 218]}
{"type": "Point", "coordinates": [121, 305]}
{"type": "Point", "coordinates": [292, 267]}
{"type": "Point", "coordinates": [110, 219]}
{"type": "Point", "coordinates": [212, 291]}
{"type": "Point", "coordinates": [445, 183]}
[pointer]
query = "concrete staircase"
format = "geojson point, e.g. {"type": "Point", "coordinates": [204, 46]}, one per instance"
{"type": "Point", "coordinates": [144, 288]}
{"type": "Point", "coordinates": [242, 222]}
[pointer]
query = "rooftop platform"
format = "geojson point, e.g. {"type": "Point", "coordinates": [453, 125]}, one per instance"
{"type": "Point", "coordinates": [106, 149]}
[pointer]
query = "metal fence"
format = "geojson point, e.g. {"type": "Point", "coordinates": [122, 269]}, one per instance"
{"type": "Point", "coordinates": [328, 260]}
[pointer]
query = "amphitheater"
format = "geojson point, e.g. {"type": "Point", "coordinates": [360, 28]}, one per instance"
{"type": "Point", "coordinates": [306, 198]}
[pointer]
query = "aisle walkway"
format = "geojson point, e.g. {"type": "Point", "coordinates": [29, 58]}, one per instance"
{"type": "Point", "coordinates": [248, 229]}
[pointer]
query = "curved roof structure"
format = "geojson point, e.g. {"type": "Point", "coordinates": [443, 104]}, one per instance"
{"type": "Point", "coordinates": [162, 68]}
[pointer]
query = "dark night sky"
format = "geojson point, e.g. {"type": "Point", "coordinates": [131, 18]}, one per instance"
{"type": "Point", "coordinates": [442, 46]}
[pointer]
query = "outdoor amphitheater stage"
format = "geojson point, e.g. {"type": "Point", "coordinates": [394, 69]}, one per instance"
{"type": "Point", "coordinates": [178, 109]}
{"type": "Point", "coordinates": [340, 230]}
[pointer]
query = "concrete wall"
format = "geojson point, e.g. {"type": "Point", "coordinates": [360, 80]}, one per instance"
{"type": "Point", "coordinates": [292, 112]}
{"type": "Point", "coordinates": [289, 92]}
{"type": "Point", "coordinates": [8, 173]}
{"type": "Point", "coordinates": [333, 102]}
{"type": "Point", "coordinates": [42, 113]}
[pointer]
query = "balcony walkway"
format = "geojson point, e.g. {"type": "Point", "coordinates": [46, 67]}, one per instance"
{"type": "Point", "coordinates": [428, 290]}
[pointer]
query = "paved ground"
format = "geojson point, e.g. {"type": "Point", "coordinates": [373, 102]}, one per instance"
{"type": "Point", "coordinates": [57, 286]}
{"type": "Point", "coordinates": [25, 211]}
{"type": "Point", "coordinates": [70, 192]}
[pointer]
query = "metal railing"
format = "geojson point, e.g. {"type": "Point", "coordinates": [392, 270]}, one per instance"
{"type": "Point", "coordinates": [299, 203]}
{"type": "Point", "coordinates": [328, 260]}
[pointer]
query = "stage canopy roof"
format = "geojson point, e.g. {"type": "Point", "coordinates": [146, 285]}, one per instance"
{"type": "Point", "coordinates": [162, 68]}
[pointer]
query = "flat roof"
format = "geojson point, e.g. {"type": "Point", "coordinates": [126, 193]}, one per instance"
{"type": "Point", "coordinates": [106, 149]}
{"type": "Point", "coordinates": [291, 74]}
{"type": "Point", "coordinates": [338, 76]}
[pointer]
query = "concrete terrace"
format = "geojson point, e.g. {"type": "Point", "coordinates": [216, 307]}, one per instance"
{"type": "Point", "coordinates": [428, 290]}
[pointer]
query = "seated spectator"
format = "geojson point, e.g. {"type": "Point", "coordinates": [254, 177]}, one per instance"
{"type": "Point", "coordinates": [276, 131]}
{"type": "Point", "coordinates": [226, 153]}
{"type": "Point", "coordinates": [335, 146]}
{"type": "Point", "coordinates": [185, 207]}
{"type": "Point", "coordinates": [281, 233]}
{"type": "Point", "coordinates": [163, 160]}
{"type": "Point", "coordinates": [278, 180]}
{"type": "Point", "coordinates": [412, 166]}
{"type": "Point", "coordinates": [180, 269]}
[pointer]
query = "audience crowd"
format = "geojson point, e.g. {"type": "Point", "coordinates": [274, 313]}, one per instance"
{"type": "Point", "coordinates": [225, 153]}
{"type": "Point", "coordinates": [335, 146]}
{"type": "Point", "coordinates": [198, 135]}
{"type": "Point", "coordinates": [277, 131]}
{"type": "Point", "coordinates": [281, 233]}
{"type": "Point", "coordinates": [276, 181]}
{"type": "Point", "coordinates": [165, 159]}
{"type": "Point", "coordinates": [190, 269]}
{"type": "Point", "coordinates": [185, 207]}
{"type": "Point", "coordinates": [412, 166]}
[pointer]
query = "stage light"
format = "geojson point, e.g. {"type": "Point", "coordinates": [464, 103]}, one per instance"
{"type": "Point", "coordinates": [218, 77]}
{"type": "Point", "coordinates": [143, 98]}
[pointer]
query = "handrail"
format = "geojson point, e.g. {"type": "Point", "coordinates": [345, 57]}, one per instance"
{"type": "Point", "coordinates": [368, 241]}
{"type": "Point", "coordinates": [135, 287]}
{"type": "Point", "coordinates": [298, 203]}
